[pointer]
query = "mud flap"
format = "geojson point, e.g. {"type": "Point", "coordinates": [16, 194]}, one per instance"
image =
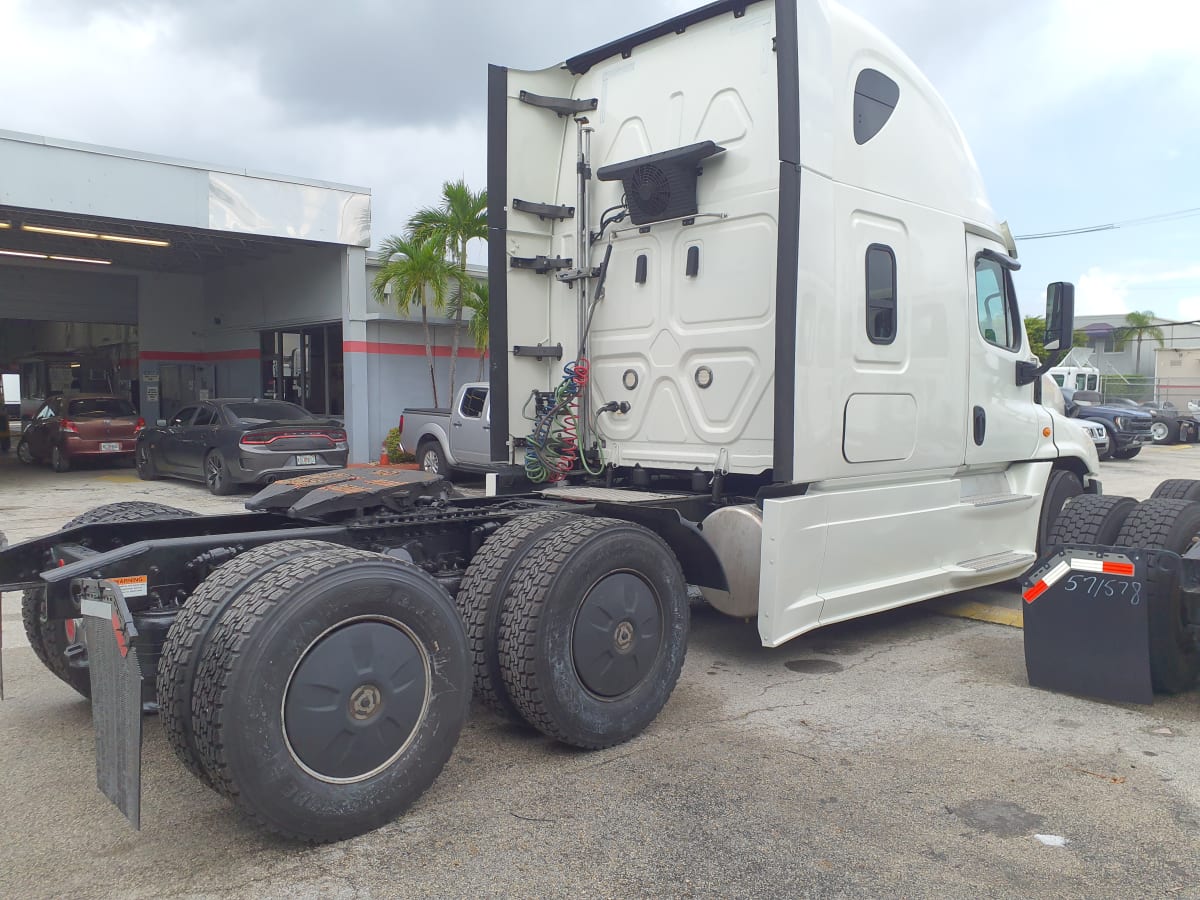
{"type": "Point", "coordinates": [1087, 628]}
{"type": "Point", "coordinates": [116, 695]}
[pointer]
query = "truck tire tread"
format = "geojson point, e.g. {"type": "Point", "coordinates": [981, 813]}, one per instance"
{"type": "Point", "coordinates": [480, 598]}
{"type": "Point", "coordinates": [181, 651]}
{"type": "Point", "coordinates": [529, 676]}
{"type": "Point", "coordinates": [1177, 489]}
{"type": "Point", "coordinates": [224, 643]}
{"type": "Point", "coordinates": [1090, 519]}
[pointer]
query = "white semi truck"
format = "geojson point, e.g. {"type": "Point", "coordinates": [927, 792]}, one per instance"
{"type": "Point", "coordinates": [753, 329]}
{"type": "Point", "coordinates": [761, 227]}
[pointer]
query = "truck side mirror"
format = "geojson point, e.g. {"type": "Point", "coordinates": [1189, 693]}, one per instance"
{"type": "Point", "coordinates": [1060, 315]}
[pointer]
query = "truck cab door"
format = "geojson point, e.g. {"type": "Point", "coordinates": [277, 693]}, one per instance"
{"type": "Point", "coordinates": [1003, 421]}
{"type": "Point", "coordinates": [470, 432]}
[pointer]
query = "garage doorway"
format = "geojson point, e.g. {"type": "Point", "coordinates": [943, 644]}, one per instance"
{"type": "Point", "coordinates": [305, 366]}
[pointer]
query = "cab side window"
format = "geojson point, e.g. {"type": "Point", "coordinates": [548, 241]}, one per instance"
{"type": "Point", "coordinates": [996, 303]}
{"type": "Point", "coordinates": [472, 402]}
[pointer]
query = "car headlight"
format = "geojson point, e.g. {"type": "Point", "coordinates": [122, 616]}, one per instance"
{"type": "Point", "coordinates": [1119, 421]}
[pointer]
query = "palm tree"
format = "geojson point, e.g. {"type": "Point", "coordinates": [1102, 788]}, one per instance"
{"type": "Point", "coordinates": [1136, 325]}
{"type": "Point", "coordinates": [475, 298]}
{"type": "Point", "coordinates": [416, 271]}
{"type": "Point", "coordinates": [460, 218]}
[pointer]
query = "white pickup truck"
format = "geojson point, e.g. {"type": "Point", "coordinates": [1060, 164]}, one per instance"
{"type": "Point", "coordinates": [444, 439]}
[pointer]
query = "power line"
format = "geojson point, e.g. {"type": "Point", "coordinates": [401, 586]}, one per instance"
{"type": "Point", "coordinates": [1110, 226]}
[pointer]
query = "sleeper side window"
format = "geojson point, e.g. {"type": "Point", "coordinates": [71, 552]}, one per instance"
{"type": "Point", "coordinates": [996, 303]}
{"type": "Point", "coordinates": [881, 294]}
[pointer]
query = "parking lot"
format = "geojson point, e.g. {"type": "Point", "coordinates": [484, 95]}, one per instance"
{"type": "Point", "coordinates": [901, 755]}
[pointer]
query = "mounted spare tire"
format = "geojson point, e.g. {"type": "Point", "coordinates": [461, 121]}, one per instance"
{"type": "Point", "coordinates": [330, 694]}
{"type": "Point", "coordinates": [54, 643]}
{"type": "Point", "coordinates": [593, 631]}
{"type": "Point", "coordinates": [1174, 652]}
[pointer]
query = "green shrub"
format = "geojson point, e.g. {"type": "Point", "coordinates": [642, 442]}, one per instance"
{"type": "Point", "coordinates": [391, 445]}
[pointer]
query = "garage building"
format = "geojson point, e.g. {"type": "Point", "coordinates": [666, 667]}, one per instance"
{"type": "Point", "coordinates": [170, 281]}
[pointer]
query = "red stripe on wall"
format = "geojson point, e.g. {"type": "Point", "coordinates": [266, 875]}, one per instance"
{"type": "Point", "coordinates": [406, 349]}
{"type": "Point", "coordinates": [210, 356]}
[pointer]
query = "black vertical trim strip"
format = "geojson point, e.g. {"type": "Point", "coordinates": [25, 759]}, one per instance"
{"type": "Point", "coordinates": [497, 188]}
{"type": "Point", "coordinates": [787, 255]}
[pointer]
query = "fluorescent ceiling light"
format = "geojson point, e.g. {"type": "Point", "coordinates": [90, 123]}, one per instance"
{"type": "Point", "coordinates": [126, 239]}
{"type": "Point", "coordinates": [83, 259]}
{"type": "Point", "coordinates": [65, 232]}
{"type": "Point", "coordinates": [24, 254]}
{"type": "Point", "coordinates": [75, 365]}
{"type": "Point", "coordinates": [5, 225]}
{"type": "Point", "coordinates": [93, 235]}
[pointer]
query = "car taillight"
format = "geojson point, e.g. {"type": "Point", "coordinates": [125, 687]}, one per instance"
{"type": "Point", "coordinates": [141, 424]}
{"type": "Point", "coordinates": [69, 426]}
{"type": "Point", "coordinates": [251, 441]}
{"type": "Point", "coordinates": [400, 426]}
{"type": "Point", "coordinates": [337, 436]}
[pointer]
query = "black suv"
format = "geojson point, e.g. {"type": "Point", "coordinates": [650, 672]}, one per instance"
{"type": "Point", "coordinates": [1128, 427]}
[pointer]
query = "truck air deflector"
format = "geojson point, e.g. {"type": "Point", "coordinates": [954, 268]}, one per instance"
{"type": "Point", "coordinates": [497, 220]}
{"type": "Point", "coordinates": [787, 255]}
{"type": "Point", "coordinates": [577, 65]}
{"type": "Point", "coordinates": [662, 185]}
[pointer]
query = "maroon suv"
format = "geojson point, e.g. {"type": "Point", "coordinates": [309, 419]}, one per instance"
{"type": "Point", "coordinates": [81, 426]}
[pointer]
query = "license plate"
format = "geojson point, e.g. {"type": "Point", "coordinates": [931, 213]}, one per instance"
{"type": "Point", "coordinates": [306, 459]}
{"type": "Point", "coordinates": [110, 447]}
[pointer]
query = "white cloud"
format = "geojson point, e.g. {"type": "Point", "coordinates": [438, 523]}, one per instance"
{"type": "Point", "coordinates": [1100, 293]}
{"type": "Point", "coordinates": [1189, 309]}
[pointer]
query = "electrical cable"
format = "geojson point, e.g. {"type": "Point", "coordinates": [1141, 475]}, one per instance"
{"type": "Point", "coordinates": [1110, 226]}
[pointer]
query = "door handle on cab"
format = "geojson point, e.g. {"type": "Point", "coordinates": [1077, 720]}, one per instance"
{"type": "Point", "coordinates": [980, 418]}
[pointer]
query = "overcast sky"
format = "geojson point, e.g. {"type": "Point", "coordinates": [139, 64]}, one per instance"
{"type": "Point", "coordinates": [1079, 111]}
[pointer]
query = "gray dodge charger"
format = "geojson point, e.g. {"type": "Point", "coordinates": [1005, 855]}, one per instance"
{"type": "Point", "coordinates": [229, 442]}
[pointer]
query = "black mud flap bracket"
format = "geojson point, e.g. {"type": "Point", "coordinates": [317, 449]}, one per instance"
{"type": "Point", "coordinates": [1087, 620]}
{"type": "Point", "coordinates": [116, 694]}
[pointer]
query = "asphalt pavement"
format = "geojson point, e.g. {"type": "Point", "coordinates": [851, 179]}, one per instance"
{"type": "Point", "coordinates": [899, 755]}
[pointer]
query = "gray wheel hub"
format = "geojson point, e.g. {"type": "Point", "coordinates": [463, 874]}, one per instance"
{"type": "Point", "coordinates": [618, 634]}
{"type": "Point", "coordinates": [355, 699]}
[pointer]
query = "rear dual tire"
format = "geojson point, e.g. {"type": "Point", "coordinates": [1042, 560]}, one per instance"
{"type": "Point", "coordinates": [327, 692]}
{"type": "Point", "coordinates": [593, 631]}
